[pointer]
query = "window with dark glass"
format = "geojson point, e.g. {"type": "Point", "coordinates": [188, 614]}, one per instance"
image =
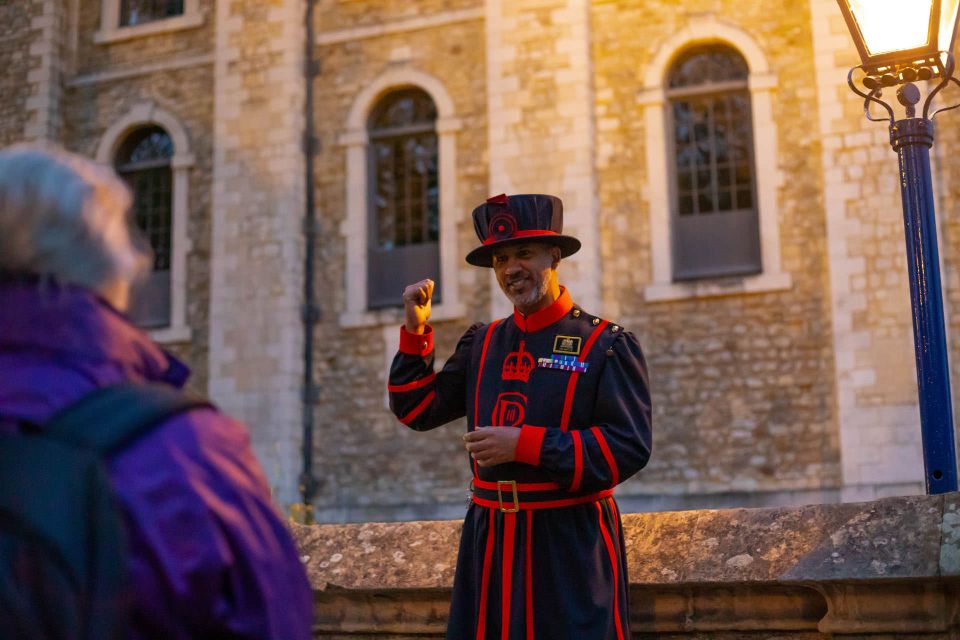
{"type": "Point", "coordinates": [133, 12]}
{"type": "Point", "coordinates": [143, 161]}
{"type": "Point", "coordinates": [715, 226]}
{"type": "Point", "coordinates": [404, 197]}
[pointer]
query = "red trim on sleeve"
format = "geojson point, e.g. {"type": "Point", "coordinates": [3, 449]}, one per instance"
{"type": "Point", "coordinates": [485, 579]}
{"type": "Point", "coordinates": [417, 410]}
{"type": "Point", "coordinates": [602, 441]}
{"type": "Point", "coordinates": [572, 384]}
{"type": "Point", "coordinates": [529, 444]}
{"type": "Point", "coordinates": [411, 386]}
{"type": "Point", "coordinates": [416, 344]}
{"type": "Point", "coordinates": [577, 461]}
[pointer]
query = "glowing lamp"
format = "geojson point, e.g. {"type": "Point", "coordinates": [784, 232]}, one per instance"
{"type": "Point", "coordinates": [890, 34]}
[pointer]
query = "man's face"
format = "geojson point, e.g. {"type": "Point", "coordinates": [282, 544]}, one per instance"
{"type": "Point", "coordinates": [524, 272]}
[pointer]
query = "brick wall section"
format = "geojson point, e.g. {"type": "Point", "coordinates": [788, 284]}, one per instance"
{"type": "Point", "coordinates": [45, 77]}
{"type": "Point", "coordinates": [90, 109]}
{"type": "Point", "coordinates": [95, 57]}
{"type": "Point", "coordinates": [743, 384]}
{"type": "Point", "coordinates": [256, 335]}
{"type": "Point", "coordinates": [350, 14]}
{"type": "Point", "coordinates": [876, 375]}
{"type": "Point", "coordinates": [371, 466]}
{"type": "Point", "coordinates": [15, 39]}
{"type": "Point", "coordinates": [541, 121]}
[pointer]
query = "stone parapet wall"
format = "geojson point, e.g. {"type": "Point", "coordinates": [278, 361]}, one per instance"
{"type": "Point", "coordinates": [883, 569]}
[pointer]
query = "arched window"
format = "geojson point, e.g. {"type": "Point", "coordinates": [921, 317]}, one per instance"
{"type": "Point", "coordinates": [143, 160]}
{"type": "Point", "coordinates": [134, 12]}
{"type": "Point", "coordinates": [404, 196]}
{"type": "Point", "coordinates": [715, 226]}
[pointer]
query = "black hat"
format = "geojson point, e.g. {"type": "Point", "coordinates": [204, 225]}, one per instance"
{"type": "Point", "coordinates": [504, 220]}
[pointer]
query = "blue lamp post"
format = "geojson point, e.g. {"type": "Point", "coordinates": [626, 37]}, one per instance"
{"type": "Point", "coordinates": [901, 41]}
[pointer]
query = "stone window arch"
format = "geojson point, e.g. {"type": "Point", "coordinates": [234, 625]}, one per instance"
{"type": "Point", "coordinates": [404, 196]}
{"type": "Point", "coordinates": [664, 188]}
{"type": "Point", "coordinates": [713, 222]}
{"type": "Point", "coordinates": [367, 129]}
{"type": "Point", "coordinates": [149, 148]}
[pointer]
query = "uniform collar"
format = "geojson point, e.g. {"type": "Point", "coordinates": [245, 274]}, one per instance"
{"type": "Point", "coordinates": [545, 317]}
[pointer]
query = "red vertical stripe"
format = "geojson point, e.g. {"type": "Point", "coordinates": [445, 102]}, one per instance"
{"type": "Point", "coordinates": [528, 574]}
{"type": "Point", "coordinates": [485, 580]}
{"type": "Point", "coordinates": [614, 566]}
{"type": "Point", "coordinates": [506, 577]}
{"type": "Point", "coordinates": [476, 398]}
{"type": "Point", "coordinates": [572, 384]}
{"type": "Point", "coordinates": [611, 462]}
{"type": "Point", "coordinates": [577, 461]}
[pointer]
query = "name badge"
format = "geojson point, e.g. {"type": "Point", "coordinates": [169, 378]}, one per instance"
{"type": "Point", "coordinates": [564, 363]}
{"type": "Point", "coordinates": [569, 345]}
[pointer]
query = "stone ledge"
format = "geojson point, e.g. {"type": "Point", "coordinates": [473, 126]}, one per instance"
{"type": "Point", "coordinates": [890, 566]}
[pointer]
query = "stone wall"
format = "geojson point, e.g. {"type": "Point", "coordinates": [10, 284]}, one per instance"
{"type": "Point", "coordinates": [171, 71]}
{"type": "Point", "coordinates": [371, 466]}
{"type": "Point", "coordinates": [16, 36]}
{"type": "Point", "coordinates": [870, 302]}
{"type": "Point", "coordinates": [91, 107]}
{"type": "Point", "coordinates": [742, 383]}
{"type": "Point", "coordinates": [256, 275]}
{"type": "Point", "coordinates": [884, 569]}
{"type": "Point", "coordinates": [162, 47]}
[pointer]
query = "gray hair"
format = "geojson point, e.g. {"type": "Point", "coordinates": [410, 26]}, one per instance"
{"type": "Point", "coordinates": [64, 216]}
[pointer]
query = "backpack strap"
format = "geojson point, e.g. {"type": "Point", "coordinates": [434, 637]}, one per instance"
{"type": "Point", "coordinates": [110, 418]}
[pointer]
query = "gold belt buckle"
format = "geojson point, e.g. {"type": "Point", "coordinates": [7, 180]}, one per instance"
{"type": "Point", "coordinates": [516, 499]}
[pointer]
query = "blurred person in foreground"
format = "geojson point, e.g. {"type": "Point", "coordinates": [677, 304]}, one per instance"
{"type": "Point", "coordinates": [208, 554]}
{"type": "Point", "coordinates": [557, 404]}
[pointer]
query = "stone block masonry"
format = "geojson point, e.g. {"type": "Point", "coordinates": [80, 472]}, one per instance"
{"type": "Point", "coordinates": [883, 569]}
{"type": "Point", "coordinates": [256, 334]}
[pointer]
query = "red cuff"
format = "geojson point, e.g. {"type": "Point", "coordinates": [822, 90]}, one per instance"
{"type": "Point", "coordinates": [416, 344]}
{"type": "Point", "coordinates": [529, 444]}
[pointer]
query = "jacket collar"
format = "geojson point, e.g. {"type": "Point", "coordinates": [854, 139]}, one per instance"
{"type": "Point", "coordinates": [544, 317]}
{"type": "Point", "coordinates": [76, 326]}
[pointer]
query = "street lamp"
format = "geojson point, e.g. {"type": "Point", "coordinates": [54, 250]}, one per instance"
{"type": "Point", "coordinates": [900, 41]}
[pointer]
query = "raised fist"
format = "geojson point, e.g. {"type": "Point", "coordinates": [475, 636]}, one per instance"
{"type": "Point", "coordinates": [416, 305]}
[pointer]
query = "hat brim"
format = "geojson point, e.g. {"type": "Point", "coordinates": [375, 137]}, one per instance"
{"type": "Point", "coordinates": [482, 256]}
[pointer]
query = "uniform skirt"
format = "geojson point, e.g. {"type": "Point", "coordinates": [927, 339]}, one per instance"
{"type": "Point", "coordinates": [543, 574]}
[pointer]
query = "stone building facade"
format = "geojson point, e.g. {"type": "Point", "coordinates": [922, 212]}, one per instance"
{"type": "Point", "coordinates": [791, 384]}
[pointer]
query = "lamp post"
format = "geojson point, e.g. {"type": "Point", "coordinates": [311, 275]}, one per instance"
{"type": "Point", "coordinates": [901, 41]}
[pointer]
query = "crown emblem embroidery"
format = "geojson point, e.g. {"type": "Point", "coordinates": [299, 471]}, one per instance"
{"type": "Point", "coordinates": [518, 365]}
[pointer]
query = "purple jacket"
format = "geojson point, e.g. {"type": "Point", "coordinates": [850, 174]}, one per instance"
{"type": "Point", "coordinates": [209, 553]}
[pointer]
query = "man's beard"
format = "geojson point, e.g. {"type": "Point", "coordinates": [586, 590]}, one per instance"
{"type": "Point", "coordinates": [531, 297]}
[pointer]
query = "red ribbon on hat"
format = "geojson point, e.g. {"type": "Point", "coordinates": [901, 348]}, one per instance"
{"type": "Point", "coordinates": [526, 233]}
{"type": "Point", "coordinates": [500, 199]}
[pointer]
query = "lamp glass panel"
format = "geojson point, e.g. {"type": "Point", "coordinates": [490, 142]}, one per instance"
{"type": "Point", "coordinates": [892, 25]}
{"type": "Point", "coordinates": [948, 21]}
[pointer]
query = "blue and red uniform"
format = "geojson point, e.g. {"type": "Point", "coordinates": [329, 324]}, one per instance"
{"type": "Point", "coordinates": [541, 554]}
